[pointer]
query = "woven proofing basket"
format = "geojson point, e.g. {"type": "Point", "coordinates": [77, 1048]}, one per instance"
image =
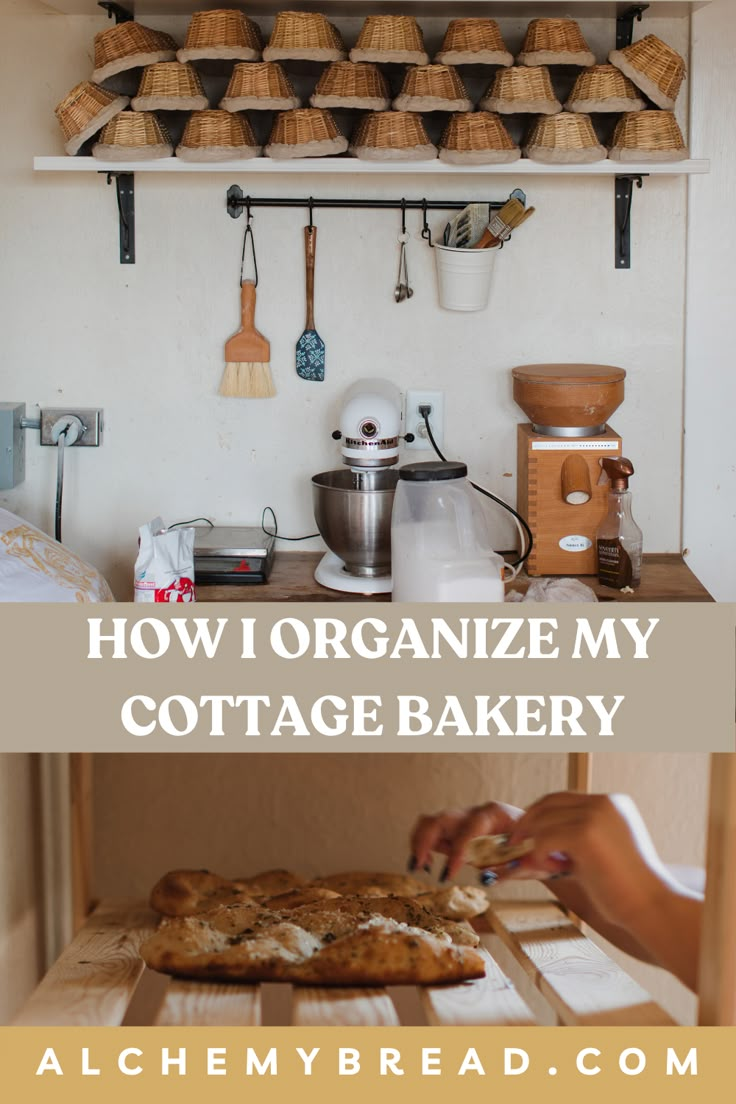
{"type": "Point", "coordinates": [217, 136]}
{"type": "Point", "coordinates": [390, 38]}
{"type": "Point", "coordinates": [307, 132]}
{"type": "Point", "coordinates": [564, 139]}
{"type": "Point", "coordinates": [604, 88]}
{"type": "Point", "coordinates": [649, 136]}
{"type": "Point", "coordinates": [521, 90]}
{"type": "Point", "coordinates": [259, 86]}
{"type": "Point", "coordinates": [128, 46]}
{"type": "Point", "coordinates": [133, 136]}
{"type": "Point", "coordinates": [555, 42]}
{"type": "Point", "coordinates": [473, 42]}
{"type": "Point", "coordinates": [221, 34]}
{"type": "Point", "coordinates": [433, 88]}
{"type": "Point", "coordinates": [654, 67]}
{"type": "Point", "coordinates": [84, 112]}
{"type": "Point", "coordinates": [352, 84]}
{"type": "Point", "coordinates": [170, 86]}
{"type": "Point", "coordinates": [477, 138]}
{"type": "Point", "coordinates": [304, 36]}
{"type": "Point", "coordinates": [392, 136]}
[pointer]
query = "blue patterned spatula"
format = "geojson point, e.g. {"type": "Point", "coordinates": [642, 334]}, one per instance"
{"type": "Point", "coordinates": [310, 348]}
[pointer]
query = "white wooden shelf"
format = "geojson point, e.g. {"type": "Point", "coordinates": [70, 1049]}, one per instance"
{"type": "Point", "coordinates": [351, 166]}
{"type": "Point", "coordinates": [356, 8]}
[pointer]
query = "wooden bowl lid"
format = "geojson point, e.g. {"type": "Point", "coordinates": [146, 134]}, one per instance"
{"type": "Point", "coordinates": [568, 373]}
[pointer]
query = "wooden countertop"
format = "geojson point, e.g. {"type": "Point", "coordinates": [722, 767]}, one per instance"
{"type": "Point", "coordinates": [665, 578]}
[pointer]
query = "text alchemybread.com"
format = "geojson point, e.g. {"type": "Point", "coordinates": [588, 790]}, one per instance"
{"type": "Point", "coordinates": [389, 1062]}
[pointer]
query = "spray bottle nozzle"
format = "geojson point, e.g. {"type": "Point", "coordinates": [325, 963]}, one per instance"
{"type": "Point", "coordinates": [618, 469]}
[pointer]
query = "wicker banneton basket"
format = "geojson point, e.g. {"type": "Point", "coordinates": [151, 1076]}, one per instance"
{"type": "Point", "coordinates": [565, 139]}
{"type": "Point", "coordinates": [170, 86]}
{"type": "Point", "coordinates": [433, 88]}
{"type": "Point", "coordinates": [259, 86]}
{"type": "Point", "coordinates": [307, 132]}
{"type": "Point", "coordinates": [648, 136]}
{"type": "Point", "coordinates": [604, 88]}
{"type": "Point", "coordinates": [84, 112]}
{"type": "Point", "coordinates": [392, 136]}
{"type": "Point", "coordinates": [521, 90]}
{"type": "Point", "coordinates": [352, 84]}
{"type": "Point", "coordinates": [473, 42]}
{"type": "Point", "coordinates": [133, 136]}
{"type": "Point", "coordinates": [390, 38]}
{"type": "Point", "coordinates": [555, 42]}
{"type": "Point", "coordinates": [477, 138]}
{"type": "Point", "coordinates": [304, 36]}
{"type": "Point", "coordinates": [654, 67]}
{"type": "Point", "coordinates": [128, 46]}
{"type": "Point", "coordinates": [221, 34]}
{"type": "Point", "coordinates": [217, 136]}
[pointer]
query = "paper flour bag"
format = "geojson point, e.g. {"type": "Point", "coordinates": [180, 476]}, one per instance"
{"type": "Point", "coordinates": [164, 570]}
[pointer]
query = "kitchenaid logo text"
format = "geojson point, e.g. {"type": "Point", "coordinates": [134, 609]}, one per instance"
{"type": "Point", "coordinates": [404, 641]}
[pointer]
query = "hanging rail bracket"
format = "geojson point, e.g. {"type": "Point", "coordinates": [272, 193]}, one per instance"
{"type": "Point", "coordinates": [116, 11]}
{"type": "Point", "coordinates": [624, 196]}
{"type": "Point", "coordinates": [625, 25]}
{"type": "Point", "coordinates": [125, 193]}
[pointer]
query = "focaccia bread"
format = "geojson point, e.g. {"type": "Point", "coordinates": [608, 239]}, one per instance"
{"type": "Point", "coordinates": [320, 916]}
{"type": "Point", "coordinates": [379, 951]}
{"type": "Point", "coordinates": [188, 892]}
{"type": "Point", "coordinates": [371, 884]}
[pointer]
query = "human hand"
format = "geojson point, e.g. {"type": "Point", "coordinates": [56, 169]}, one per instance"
{"type": "Point", "coordinates": [449, 832]}
{"type": "Point", "coordinates": [602, 842]}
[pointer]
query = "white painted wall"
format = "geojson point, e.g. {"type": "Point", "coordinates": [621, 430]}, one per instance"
{"type": "Point", "coordinates": [710, 394]}
{"type": "Point", "coordinates": [145, 341]}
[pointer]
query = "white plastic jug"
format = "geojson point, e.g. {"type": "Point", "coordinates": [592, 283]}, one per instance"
{"type": "Point", "coordinates": [441, 547]}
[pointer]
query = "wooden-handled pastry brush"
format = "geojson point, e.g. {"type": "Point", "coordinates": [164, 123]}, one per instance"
{"type": "Point", "coordinates": [247, 372]}
{"type": "Point", "coordinates": [512, 215]}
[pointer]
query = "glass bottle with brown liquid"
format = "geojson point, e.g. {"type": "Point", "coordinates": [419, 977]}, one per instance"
{"type": "Point", "coordinates": [619, 539]}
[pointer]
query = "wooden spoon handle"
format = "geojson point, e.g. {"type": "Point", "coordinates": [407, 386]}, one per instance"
{"type": "Point", "coordinates": [310, 249]}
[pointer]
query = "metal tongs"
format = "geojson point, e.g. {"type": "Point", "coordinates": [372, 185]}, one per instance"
{"type": "Point", "coordinates": [402, 290]}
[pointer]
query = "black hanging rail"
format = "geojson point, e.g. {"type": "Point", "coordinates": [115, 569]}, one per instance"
{"type": "Point", "coordinates": [236, 202]}
{"type": "Point", "coordinates": [116, 11]}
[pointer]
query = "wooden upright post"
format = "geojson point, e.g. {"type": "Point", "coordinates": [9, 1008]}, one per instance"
{"type": "Point", "coordinates": [579, 771]}
{"type": "Point", "coordinates": [80, 786]}
{"type": "Point", "coordinates": [717, 979]}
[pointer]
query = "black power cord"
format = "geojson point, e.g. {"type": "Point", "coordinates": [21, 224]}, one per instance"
{"type": "Point", "coordinates": [425, 411]}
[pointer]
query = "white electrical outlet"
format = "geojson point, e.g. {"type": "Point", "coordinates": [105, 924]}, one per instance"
{"type": "Point", "coordinates": [414, 422]}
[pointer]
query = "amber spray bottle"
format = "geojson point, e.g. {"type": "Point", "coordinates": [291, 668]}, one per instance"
{"type": "Point", "coordinates": [619, 538]}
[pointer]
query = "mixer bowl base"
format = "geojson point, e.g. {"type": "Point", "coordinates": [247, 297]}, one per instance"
{"type": "Point", "coordinates": [331, 573]}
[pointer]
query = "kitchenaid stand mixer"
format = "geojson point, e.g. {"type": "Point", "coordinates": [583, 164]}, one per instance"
{"type": "Point", "coordinates": [352, 505]}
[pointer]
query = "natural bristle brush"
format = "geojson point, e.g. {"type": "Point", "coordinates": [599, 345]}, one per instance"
{"type": "Point", "coordinates": [247, 372]}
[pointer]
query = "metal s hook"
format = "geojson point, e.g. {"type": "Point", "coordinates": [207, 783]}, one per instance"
{"type": "Point", "coordinates": [248, 235]}
{"type": "Point", "coordinates": [403, 216]}
{"type": "Point", "coordinates": [426, 232]}
{"type": "Point", "coordinates": [311, 213]}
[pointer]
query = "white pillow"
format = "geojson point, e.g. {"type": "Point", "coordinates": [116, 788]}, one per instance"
{"type": "Point", "coordinates": [36, 568]}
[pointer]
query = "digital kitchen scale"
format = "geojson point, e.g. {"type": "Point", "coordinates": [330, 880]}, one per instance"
{"type": "Point", "coordinates": [232, 555]}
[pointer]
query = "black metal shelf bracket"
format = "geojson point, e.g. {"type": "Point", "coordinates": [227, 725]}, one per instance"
{"type": "Point", "coordinates": [625, 25]}
{"type": "Point", "coordinates": [116, 12]}
{"type": "Point", "coordinates": [125, 193]}
{"type": "Point", "coordinates": [624, 196]}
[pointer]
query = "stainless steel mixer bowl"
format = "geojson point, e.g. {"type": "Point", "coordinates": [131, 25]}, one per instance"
{"type": "Point", "coordinates": [353, 515]}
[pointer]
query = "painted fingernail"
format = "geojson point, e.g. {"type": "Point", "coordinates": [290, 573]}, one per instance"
{"type": "Point", "coordinates": [514, 864]}
{"type": "Point", "coordinates": [427, 868]}
{"type": "Point", "coordinates": [445, 873]}
{"type": "Point", "coordinates": [488, 877]}
{"type": "Point", "coordinates": [412, 864]}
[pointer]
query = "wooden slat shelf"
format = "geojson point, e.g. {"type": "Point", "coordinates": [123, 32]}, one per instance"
{"type": "Point", "coordinates": [665, 578]}
{"type": "Point", "coordinates": [96, 978]}
{"type": "Point", "coordinates": [352, 166]}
